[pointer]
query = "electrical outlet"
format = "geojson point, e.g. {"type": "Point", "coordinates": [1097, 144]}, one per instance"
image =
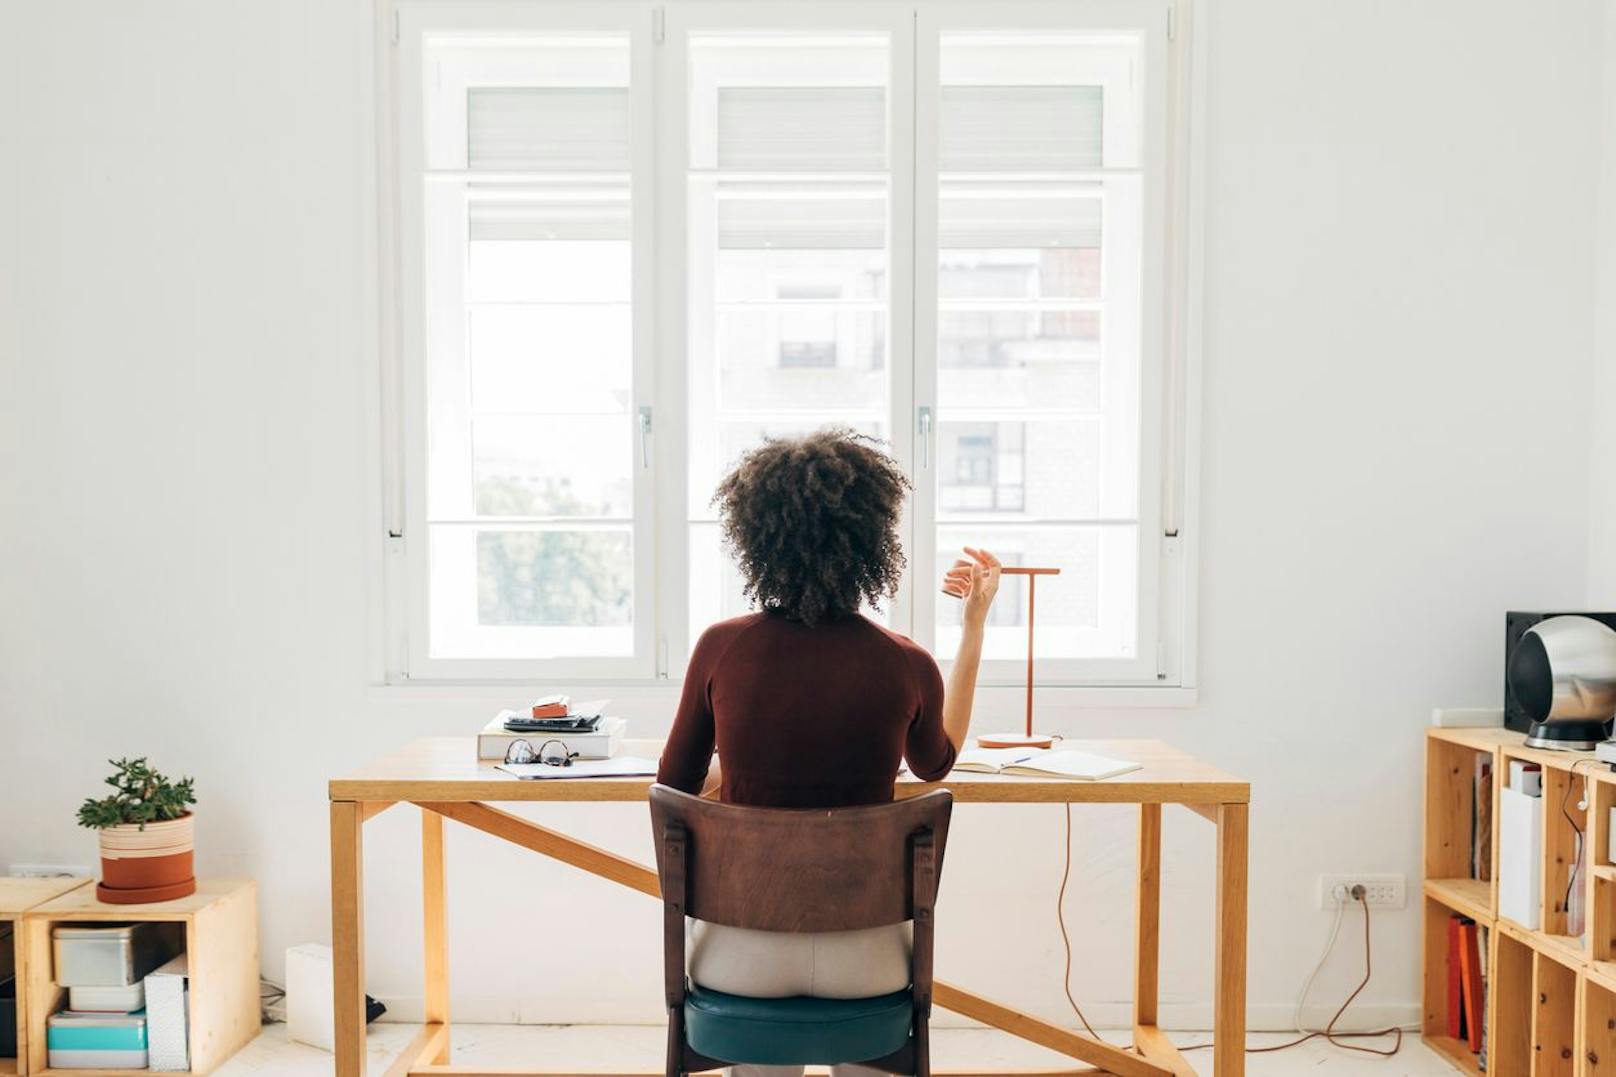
{"type": "Point", "coordinates": [1381, 891]}
{"type": "Point", "coordinates": [48, 871]}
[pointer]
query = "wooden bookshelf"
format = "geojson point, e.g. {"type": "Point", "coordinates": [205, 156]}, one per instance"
{"type": "Point", "coordinates": [220, 925]}
{"type": "Point", "coordinates": [1551, 995]}
{"type": "Point", "coordinates": [17, 896]}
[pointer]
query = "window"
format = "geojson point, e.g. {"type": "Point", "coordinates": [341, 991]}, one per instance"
{"type": "Point", "coordinates": [946, 225]}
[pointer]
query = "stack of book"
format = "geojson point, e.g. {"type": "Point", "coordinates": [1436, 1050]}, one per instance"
{"type": "Point", "coordinates": [1467, 984]}
{"type": "Point", "coordinates": [126, 999]}
{"type": "Point", "coordinates": [583, 729]}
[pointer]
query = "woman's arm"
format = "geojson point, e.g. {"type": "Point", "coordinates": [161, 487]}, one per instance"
{"type": "Point", "coordinates": [975, 581]}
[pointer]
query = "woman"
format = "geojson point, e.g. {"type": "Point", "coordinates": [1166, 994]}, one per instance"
{"type": "Point", "coordinates": [811, 705]}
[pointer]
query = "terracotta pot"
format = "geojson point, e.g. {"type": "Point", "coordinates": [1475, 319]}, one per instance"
{"type": "Point", "coordinates": [151, 864]}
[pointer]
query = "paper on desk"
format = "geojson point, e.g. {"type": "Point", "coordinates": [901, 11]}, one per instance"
{"type": "Point", "coordinates": [627, 766]}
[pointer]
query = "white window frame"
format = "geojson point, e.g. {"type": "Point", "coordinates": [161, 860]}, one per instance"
{"type": "Point", "coordinates": [449, 18]}
{"type": "Point", "coordinates": [1164, 672]}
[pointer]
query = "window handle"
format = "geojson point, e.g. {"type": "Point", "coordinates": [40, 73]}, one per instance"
{"type": "Point", "coordinates": [923, 425]}
{"type": "Point", "coordinates": [645, 436]}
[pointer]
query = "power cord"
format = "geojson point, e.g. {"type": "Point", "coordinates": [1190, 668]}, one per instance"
{"type": "Point", "coordinates": [1324, 957]}
{"type": "Point", "coordinates": [1329, 1033]}
{"type": "Point", "coordinates": [1582, 805]}
{"type": "Point", "coordinates": [1060, 918]}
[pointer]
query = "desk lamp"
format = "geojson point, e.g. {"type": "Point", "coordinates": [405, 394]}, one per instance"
{"type": "Point", "coordinates": [1027, 739]}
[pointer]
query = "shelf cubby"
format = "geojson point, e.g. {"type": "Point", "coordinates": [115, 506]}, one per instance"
{"type": "Point", "coordinates": [1510, 968]}
{"type": "Point", "coordinates": [17, 896]}
{"type": "Point", "coordinates": [1598, 1049]}
{"type": "Point", "coordinates": [1452, 871]}
{"type": "Point", "coordinates": [1554, 1026]}
{"type": "Point", "coordinates": [220, 928]}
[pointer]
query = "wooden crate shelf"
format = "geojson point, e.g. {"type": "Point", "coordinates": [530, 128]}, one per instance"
{"type": "Point", "coordinates": [220, 922]}
{"type": "Point", "coordinates": [17, 896]}
{"type": "Point", "coordinates": [1551, 995]}
{"type": "Point", "coordinates": [1468, 897]}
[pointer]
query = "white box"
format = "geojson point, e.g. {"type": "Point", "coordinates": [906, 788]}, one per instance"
{"type": "Point", "coordinates": [1520, 857]}
{"type": "Point", "coordinates": [308, 994]}
{"type": "Point", "coordinates": [1610, 854]}
{"type": "Point", "coordinates": [1525, 781]}
{"type": "Point", "coordinates": [168, 1017]}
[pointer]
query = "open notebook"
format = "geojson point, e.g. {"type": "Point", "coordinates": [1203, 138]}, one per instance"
{"type": "Point", "coordinates": [1042, 762]}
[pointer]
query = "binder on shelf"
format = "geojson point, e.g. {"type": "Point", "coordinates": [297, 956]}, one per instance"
{"type": "Point", "coordinates": [1520, 857]}
{"type": "Point", "coordinates": [1455, 983]}
{"type": "Point", "coordinates": [1470, 968]}
{"type": "Point", "coordinates": [167, 1023]}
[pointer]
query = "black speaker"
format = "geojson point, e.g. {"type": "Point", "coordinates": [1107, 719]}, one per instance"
{"type": "Point", "coordinates": [1527, 686]}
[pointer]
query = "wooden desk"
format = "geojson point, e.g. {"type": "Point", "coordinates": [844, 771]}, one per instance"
{"type": "Point", "coordinates": [442, 777]}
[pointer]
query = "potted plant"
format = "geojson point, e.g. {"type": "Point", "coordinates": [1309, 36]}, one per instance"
{"type": "Point", "coordinates": [147, 835]}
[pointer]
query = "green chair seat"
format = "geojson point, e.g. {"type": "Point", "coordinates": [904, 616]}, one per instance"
{"type": "Point", "coordinates": [797, 1031]}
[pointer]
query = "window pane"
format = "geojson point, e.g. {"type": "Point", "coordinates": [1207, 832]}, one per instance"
{"type": "Point", "coordinates": [1047, 470]}
{"type": "Point", "coordinates": [571, 128]}
{"type": "Point", "coordinates": [1088, 610]}
{"type": "Point", "coordinates": [1037, 331]}
{"type": "Point", "coordinates": [788, 259]}
{"type": "Point", "coordinates": [1037, 101]}
{"type": "Point", "coordinates": [529, 318]}
{"type": "Point", "coordinates": [788, 101]}
{"type": "Point", "coordinates": [1054, 128]}
{"type": "Point", "coordinates": [537, 593]}
{"type": "Point", "coordinates": [531, 466]}
{"type": "Point", "coordinates": [553, 578]}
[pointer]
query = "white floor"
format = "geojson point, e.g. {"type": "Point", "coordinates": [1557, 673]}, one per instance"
{"type": "Point", "coordinates": [599, 1048]}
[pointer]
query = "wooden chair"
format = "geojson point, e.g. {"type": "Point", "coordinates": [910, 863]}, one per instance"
{"type": "Point", "coordinates": [769, 869]}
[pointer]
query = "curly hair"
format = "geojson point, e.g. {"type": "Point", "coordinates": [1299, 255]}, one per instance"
{"type": "Point", "coordinates": [812, 523]}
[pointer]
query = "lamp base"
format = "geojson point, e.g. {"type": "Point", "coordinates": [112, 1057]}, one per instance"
{"type": "Point", "coordinates": [1015, 740]}
{"type": "Point", "coordinates": [1568, 735]}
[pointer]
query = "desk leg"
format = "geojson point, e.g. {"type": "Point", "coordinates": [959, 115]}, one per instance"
{"type": "Point", "coordinates": [1229, 1015]}
{"type": "Point", "coordinates": [347, 938]}
{"type": "Point", "coordinates": [1147, 950]}
{"type": "Point", "coordinates": [435, 930]}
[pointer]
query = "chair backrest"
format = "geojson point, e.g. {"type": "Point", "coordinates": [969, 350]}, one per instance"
{"type": "Point", "coordinates": [774, 869]}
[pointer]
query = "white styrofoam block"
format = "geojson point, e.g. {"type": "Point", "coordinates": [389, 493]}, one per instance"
{"type": "Point", "coordinates": [167, 1017]}
{"type": "Point", "coordinates": [1610, 854]}
{"type": "Point", "coordinates": [1468, 717]}
{"type": "Point", "coordinates": [1520, 857]}
{"type": "Point", "coordinates": [308, 994]}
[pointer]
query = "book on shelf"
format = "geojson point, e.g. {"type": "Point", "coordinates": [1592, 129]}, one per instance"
{"type": "Point", "coordinates": [1481, 820]}
{"type": "Point", "coordinates": [1481, 961]}
{"type": "Point", "coordinates": [1456, 1028]}
{"type": "Point", "coordinates": [495, 740]}
{"type": "Point", "coordinates": [1470, 983]}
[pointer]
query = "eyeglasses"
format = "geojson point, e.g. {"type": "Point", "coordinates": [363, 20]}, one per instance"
{"type": "Point", "coordinates": [521, 751]}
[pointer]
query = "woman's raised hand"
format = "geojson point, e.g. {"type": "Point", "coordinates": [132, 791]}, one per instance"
{"type": "Point", "coordinates": [974, 578]}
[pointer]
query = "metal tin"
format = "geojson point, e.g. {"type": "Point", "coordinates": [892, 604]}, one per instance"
{"type": "Point", "coordinates": [96, 1041]}
{"type": "Point", "coordinates": [114, 955]}
{"type": "Point", "coordinates": [107, 999]}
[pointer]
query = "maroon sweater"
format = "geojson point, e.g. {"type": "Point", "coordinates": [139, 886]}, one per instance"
{"type": "Point", "coordinates": [806, 716]}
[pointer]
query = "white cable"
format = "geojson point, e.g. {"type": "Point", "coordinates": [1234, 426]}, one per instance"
{"type": "Point", "coordinates": [1329, 947]}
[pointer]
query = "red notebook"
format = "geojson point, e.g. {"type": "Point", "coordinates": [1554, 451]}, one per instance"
{"type": "Point", "coordinates": [1470, 966]}
{"type": "Point", "coordinates": [1456, 1027]}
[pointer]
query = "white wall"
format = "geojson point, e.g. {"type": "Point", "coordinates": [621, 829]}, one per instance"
{"type": "Point", "coordinates": [1400, 325]}
{"type": "Point", "coordinates": [1602, 485]}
